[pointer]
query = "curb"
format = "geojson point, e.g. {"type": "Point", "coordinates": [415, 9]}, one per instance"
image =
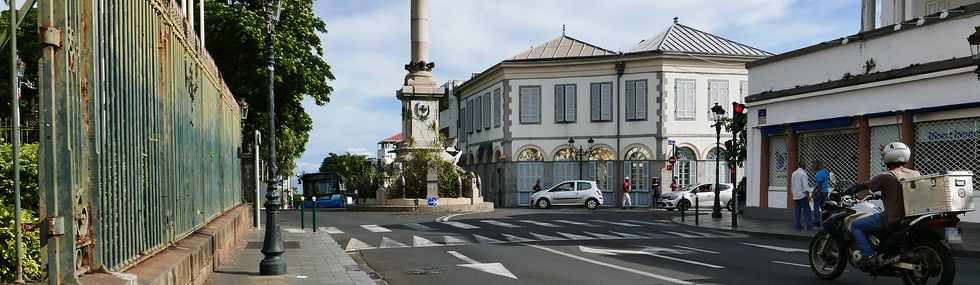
{"type": "Point", "coordinates": [957, 250]}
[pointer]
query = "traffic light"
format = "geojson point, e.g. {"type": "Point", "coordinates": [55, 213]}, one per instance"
{"type": "Point", "coordinates": [738, 117]}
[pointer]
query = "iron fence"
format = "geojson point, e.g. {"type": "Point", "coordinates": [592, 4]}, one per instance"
{"type": "Point", "coordinates": [140, 136]}
{"type": "Point", "coordinates": [29, 131]}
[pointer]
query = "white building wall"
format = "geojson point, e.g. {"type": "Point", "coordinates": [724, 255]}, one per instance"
{"type": "Point", "coordinates": [917, 45]}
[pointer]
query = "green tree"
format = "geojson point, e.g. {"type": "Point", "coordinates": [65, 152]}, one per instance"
{"type": "Point", "coordinates": [29, 203]}
{"type": "Point", "coordinates": [29, 51]}
{"type": "Point", "coordinates": [236, 40]}
{"type": "Point", "coordinates": [356, 171]}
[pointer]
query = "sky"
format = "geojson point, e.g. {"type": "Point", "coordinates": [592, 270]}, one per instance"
{"type": "Point", "coordinates": [367, 45]}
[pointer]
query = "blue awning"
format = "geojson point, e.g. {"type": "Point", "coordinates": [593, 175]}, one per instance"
{"type": "Point", "coordinates": [823, 124]}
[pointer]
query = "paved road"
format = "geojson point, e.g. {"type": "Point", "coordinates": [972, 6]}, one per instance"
{"type": "Point", "coordinates": [574, 246]}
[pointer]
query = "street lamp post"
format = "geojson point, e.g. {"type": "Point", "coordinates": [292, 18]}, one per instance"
{"type": "Point", "coordinates": [272, 248]}
{"type": "Point", "coordinates": [580, 154]}
{"type": "Point", "coordinates": [718, 115]}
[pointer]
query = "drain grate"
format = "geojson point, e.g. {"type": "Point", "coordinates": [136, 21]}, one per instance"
{"type": "Point", "coordinates": [286, 244]}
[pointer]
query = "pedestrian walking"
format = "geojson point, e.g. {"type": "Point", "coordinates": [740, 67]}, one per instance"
{"type": "Point", "coordinates": [820, 191]}
{"type": "Point", "coordinates": [800, 189]}
{"type": "Point", "coordinates": [537, 185]}
{"type": "Point", "coordinates": [626, 193]}
{"type": "Point", "coordinates": [673, 185]}
{"type": "Point", "coordinates": [655, 183]}
{"type": "Point", "coordinates": [741, 188]}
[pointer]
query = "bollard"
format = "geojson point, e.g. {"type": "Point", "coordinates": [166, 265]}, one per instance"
{"type": "Point", "coordinates": [314, 213]}
{"type": "Point", "coordinates": [302, 212]}
{"type": "Point", "coordinates": [697, 212]}
{"type": "Point", "coordinates": [683, 214]}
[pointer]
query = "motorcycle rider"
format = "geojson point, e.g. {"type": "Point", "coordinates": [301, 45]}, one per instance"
{"type": "Point", "coordinates": [895, 156]}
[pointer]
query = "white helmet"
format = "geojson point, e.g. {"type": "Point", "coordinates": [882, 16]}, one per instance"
{"type": "Point", "coordinates": [895, 152]}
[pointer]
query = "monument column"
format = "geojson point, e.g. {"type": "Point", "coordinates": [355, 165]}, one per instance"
{"type": "Point", "coordinates": [420, 92]}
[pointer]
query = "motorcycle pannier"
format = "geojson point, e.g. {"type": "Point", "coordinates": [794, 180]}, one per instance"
{"type": "Point", "coordinates": [949, 192]}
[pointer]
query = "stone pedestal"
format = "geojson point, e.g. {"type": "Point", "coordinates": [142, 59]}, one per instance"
{"type": "Point", "coordinates": [432, 182]}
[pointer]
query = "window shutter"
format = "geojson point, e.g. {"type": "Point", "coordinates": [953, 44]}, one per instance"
{"type": "Point", "coordinates": [606, 101]}
{"type": "Point", "coordinates": [469, 116]}
{"type": "Point", "coordinates": [536, 105]}
{"type": "Point", "coordinates": [684, 98]}
{"type": "Point", "coordinates": [630, 101]}
{"type": "Point", "coordinates": [570, 99]}
{"type": "Point", "coordinates": [595, 102]}
{"type": "Point", "coordinates": [525, 108]}
{"type": "Point", "coordinates": [486, 111]}
{"type": "Point", "coordinates": [559, 103]}
{"type": "Point", "coordinates": [496, 108]}
{"type": "Point", "coordinates": [641, 100]}
{"type": "Point", "coordinates": [743, 90]}
{"type": "Point", "coordinates": [718, 93]}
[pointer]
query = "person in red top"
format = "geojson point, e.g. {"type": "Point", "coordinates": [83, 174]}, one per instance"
{"type": "Point", "coordinates": [626, 193]}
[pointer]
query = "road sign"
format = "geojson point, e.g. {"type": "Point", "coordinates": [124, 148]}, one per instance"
{"type": "Point", "coordinates": [671, 142]}
{"type": "Point", "coordinates": [433, 201]}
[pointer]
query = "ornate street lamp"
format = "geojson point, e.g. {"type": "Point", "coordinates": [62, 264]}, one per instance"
{"type": "Point", "coordinates": [580, 153]}
{"type": "Point", "coordinates": [272, 263]}
{"type": "Point", "coordinates": [243, 107]}
{"type": "Point", "coordinates": [974, 41]}
{"type": "Point", "coordinates": [717, 115]}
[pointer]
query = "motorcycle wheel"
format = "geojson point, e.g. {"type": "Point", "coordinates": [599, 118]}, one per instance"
{"type": "Point", "coordinates": [935, 260]}
{"type": "Point", "coordinates": [828, 256]}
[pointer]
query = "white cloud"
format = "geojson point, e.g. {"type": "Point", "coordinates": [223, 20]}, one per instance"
{"type": "Point", "coordinates": [368, 45]}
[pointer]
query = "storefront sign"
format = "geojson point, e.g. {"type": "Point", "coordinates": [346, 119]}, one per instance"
{"type": "Point", "coordinates": [762, 116]}
{"type": "Point", "coordinates": [959, 131]}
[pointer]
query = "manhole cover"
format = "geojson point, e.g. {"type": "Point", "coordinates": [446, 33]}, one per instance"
{"type": "Point", "coordinates": [425, 271]}
{"type": "Point", "coordinates": [286, 244]}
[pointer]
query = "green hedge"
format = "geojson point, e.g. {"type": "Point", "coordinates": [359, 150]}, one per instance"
{"type": "Point", "coordinates": [29, 203]}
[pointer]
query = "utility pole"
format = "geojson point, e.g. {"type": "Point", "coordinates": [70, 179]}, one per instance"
{"type": "Point", "coordinates": [16, 70]}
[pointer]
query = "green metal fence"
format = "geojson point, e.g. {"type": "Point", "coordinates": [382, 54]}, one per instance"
{"type": "Point", "coordinates": [140, 136]}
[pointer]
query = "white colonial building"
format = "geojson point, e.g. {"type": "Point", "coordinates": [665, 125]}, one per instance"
{"type": "Point", "coordinates": [518, 116]}
{"type": "Point", "coordinates": [911, 80]}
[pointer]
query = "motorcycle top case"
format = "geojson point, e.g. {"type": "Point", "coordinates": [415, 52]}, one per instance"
{"type": "Point", "coordinates": [949, 192]}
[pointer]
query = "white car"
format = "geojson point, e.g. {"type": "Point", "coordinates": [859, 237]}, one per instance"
{"type": "Point", "coordinates": [569, 193]}
{"type": "Point", "coordinates": [683, 199]}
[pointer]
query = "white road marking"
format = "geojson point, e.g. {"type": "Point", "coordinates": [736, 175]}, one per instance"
{"type": "Point", "coordinates": [354, 245]}
{"type": "Point", "coordinates": [572, 222]}
{"type": "Point", "coordinates": [295, 231]}
{"type": "Point", "coordinates": [543, 224]}
{"type": "Point", "coordinates": [513, 238]}
{"type": "Point", "coordinates": [790, 264]}
{"type": "Point", "coordinates": [702, 234]}
{"type": "Point", "coordinates": [375, 228]}
{"type": "Point", "coordinates": [655, 223]}
{"type": "Point", "coordinates": [418, 241]}
{"type": "Point", "coordinates": [652, 251]}
{"type": "Point", "coordinates": [618, 223]}
{"type": "Point", "coordinates": [454, 240]}
{"type": "Point", "coordinates": [461, 225]}
{"type": "Point", "coordinates": [777, 248]}
{"type": "Point", "coordinates": [545, 237]}
{"type": "Point", "coordinates": [483, 239]}
{"type": "Point", "coordinates": [630, 236]}
{"type": "Point", "coordinates": [447, 217]}
{"type": "Point", "coordinates": [390, 243]}
{"type": "Point", "coordinates": [603, 236]}
{"type": "Point", "coordinates": [617, 267]}
{"type": "Point", "coordinates": [696, 249]}
{"type": "Point", "coordinates": [418, 227]}
{"type": "Point", "coordinates": [332, 230]}
{"type": "Point", "coordinates": [495, 268]}
{"type": "Point", "coordinates": [500, 224]}
{"type": "Point", "coordinates": [683, 235]}
{"type": "Point", "coordinates": [574, 236]}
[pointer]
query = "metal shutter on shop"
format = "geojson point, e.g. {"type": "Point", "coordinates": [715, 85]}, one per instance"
{"type": "Point", "coordinates": [837, 149]}
{"type": "Point", "coordinates": [948, 145]}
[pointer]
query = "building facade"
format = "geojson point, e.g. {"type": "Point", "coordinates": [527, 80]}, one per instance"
{"type": "Point", "coordinates": [568, 109]}
{"type": "Point", "coordinates": [912, 81]}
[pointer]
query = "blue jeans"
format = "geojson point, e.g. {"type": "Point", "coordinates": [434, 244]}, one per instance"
{"type": "Point", "coordinates": [818, 199]}
{"type": "Point", "coordinates": [802, 205]}
{"type": "Point", "coordinates": [860, 229]}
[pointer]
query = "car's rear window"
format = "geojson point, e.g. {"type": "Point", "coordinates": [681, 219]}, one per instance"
{"type": "Point", "coordinates": [584, 186]}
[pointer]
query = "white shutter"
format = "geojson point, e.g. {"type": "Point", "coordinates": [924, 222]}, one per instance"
{"type": "Point", "coordinates": [486, 111]}
{"type": "Point", "coordinates": [536, 105]}
{"type": "Point", "coordinates": [469, 116]}
{"type": "Point", "coordinates": [570, 99]}
{"type": "Point", "coordinates": [718, 93]}
{"type": "Point", "coordinates": [630, 100]}
{"type": "Point", "coordinates": [684, 98]}
{"type": "Point", "coordinates": [559, 103]}
{"type": "Point", "coordinates": [743, 90]}
{"type": "Point", "coordinates": [525, 102]}
{"type": "Point", "coordinates": [530, 105]}
{"type": "Point", "coordinates": [641, 100]}
{"type": "Point", "coordinates": [496, 108]}
{"type": "Point", "coordinates": [605, 99]}
{"type": "Point", "coordinates": [595, 102]}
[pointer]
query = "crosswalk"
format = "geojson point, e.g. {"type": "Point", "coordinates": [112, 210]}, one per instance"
{"type": "Point", "coordinates": [497, 231]}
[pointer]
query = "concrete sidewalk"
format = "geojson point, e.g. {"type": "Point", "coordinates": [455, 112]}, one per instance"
{"type": "Point", "coordinates": [311, 258]}
{"type": "Point", "coordinates": [970, 247]}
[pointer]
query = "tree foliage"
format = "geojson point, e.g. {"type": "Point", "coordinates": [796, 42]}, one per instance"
{"type": "Point", "coordinates": [29, 51]}
{"type": "Point", "coordinates": [29, 203]}
{"type": "Point", "coordinates": [236, 37]}
{"type": "Point", "coordinates": [355, 171]}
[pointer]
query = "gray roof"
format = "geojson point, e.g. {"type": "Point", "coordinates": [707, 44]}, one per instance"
{"type": "Point", "coordinates": [562, 47]}
{"type": "Point", "coordinates": [683, 39]}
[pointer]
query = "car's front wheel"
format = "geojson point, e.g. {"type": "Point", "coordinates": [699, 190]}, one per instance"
{"type": "Point", "coordinates": [683, 205]}
{"type": "Point", "coordinates": [592, 204]}
{"type": "Point", "coordinates": [543, 203]}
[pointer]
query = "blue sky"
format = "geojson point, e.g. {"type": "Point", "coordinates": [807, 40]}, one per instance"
{"type": "Point", "coordinates": [368, 44]}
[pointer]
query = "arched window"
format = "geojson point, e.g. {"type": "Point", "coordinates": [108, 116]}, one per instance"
{"type": "Point", "coordinates": [565, 153]}
{"type": "Point", "coordinates": [684, 171]}
{"type": "Point", "coordinates": [637, 153]}
{"type": "Point", "coordinates": [722, 155]}
{"type": "Point", "coordinates": [530, 154]}
{"type": "Point", "coordinates": [601, 152]}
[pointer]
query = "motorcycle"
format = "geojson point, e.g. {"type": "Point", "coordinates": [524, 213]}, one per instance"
{"type": "Point", "coordinates": [919, 243]}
